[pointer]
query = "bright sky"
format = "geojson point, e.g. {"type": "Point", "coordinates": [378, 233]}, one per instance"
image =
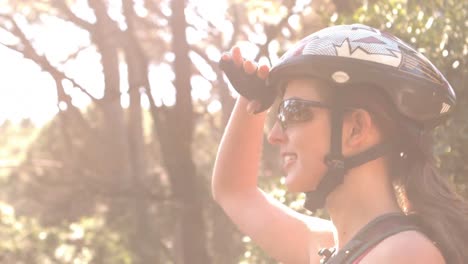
{"type": "Point", "coordinates": [27, 92]}
{"type": "Point", "coordinates": [24, 91]}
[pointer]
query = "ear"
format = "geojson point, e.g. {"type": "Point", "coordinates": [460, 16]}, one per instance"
{"type": "Point", "coordinates": [357, 129]}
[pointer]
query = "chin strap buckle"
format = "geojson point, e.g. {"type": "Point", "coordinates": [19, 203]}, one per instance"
{"type": "Point", "coordinates": [326, 254]}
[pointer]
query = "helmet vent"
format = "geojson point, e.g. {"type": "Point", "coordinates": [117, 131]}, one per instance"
{"type": "Point", "coordinates": [340, 77]}
{"type": "Point", "coordinates": [445, 108]}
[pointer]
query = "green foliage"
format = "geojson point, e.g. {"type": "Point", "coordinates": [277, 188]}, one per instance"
{"type": "Point", "coordinates": [14, 142]}
{"type": "Point", "coordinates": [24, 240]}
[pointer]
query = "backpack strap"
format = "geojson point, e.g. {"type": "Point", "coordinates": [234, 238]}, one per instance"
{"type": "Point", "coordinates": [369, 236]}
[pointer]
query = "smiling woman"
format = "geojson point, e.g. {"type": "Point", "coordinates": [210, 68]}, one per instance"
{"type": "Point", "coordinates": [353, 129]}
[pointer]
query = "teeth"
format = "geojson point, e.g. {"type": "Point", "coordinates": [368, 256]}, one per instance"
{"type": "Point", "coordinates": [289, 157]}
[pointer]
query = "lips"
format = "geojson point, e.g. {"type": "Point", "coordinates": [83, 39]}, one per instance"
{"type": "Point", "coordinates": [288, 159]}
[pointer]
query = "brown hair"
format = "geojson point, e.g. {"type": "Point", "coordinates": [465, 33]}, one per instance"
{"type": "Point", "coordinates": [423, 193]}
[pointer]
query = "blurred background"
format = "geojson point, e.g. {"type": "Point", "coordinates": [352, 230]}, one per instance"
{"type": "Point", "coordinates": [111, 113]}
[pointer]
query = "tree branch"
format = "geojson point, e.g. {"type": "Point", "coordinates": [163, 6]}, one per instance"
{"type": "Point", "coordinates": [63, 7]}
{"type": "Point", "coordinates": [75, 54]}
{"type": "Point", "coordinates": [29, 52]}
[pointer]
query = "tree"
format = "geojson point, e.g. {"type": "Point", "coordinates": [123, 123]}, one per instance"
{"type": "Point", "coordinates": [116, 139]}
{"type": "Point", "coordinates": [101, 154]}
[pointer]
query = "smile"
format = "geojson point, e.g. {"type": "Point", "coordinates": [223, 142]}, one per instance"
{"type": "Point", "coordinates": [288, 159]}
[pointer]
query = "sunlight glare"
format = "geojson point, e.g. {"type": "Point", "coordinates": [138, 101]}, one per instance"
{"type": "Point", "coordinates": [205, 69]}
{"type": "Point", "coordinates": [273, 49]}
{"type": "Point", "coordinates": [26, 92]}
{"type": "Point", "coordinates": [82, 10]}
{"type": "Point", "coordinates": [77, 232]}
{"type": "Point", "coordinates": [213, 53]}
{"type": "Point", "coordinates": [295, 22]}
{"type": "Point", "coordinates": [201, 88]}
{"type": "Point", "coordinates": [140, 8]}
{"type": "Point", "coordinates": [214, 106]}
{"type": "Point", "coordinates": [194, 36]}
{"type": "Point", "coordinates": [57, 39]}
{"type": "Point", "coordinates": [145, 103]}
{"type": "Point", "coordinates": [161, 77]}
{"type": "Point", "coordinates": [125, 100]}
{"type": "Point", "coordinates": [115, 12]}
{"type": "Point", "coordinates": [62, 106]}
{"type": "Point", "coordinates": [249, 50]}
{"type": "Point", "coordinates": [212, 11]}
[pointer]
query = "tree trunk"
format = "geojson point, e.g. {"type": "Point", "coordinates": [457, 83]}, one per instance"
{"type": "Point", "coordinates": [114, 132]}
{"type": "Point", "coordinates": [144, 237]}
{"type": "Point", "coordinates": [176, 143]}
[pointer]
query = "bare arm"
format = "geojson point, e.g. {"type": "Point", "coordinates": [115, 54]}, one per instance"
{"type": "Point", "coordinates": [283, 233]}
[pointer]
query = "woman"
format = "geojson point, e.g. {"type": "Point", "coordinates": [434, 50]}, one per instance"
{"type": "Point", "coordinates": [356, 107]}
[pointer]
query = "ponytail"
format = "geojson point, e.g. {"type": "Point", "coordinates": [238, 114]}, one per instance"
{"type": "Point", "coordinates": [429, 197]}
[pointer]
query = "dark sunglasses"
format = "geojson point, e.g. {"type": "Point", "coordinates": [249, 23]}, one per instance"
{"type": "Point", "coordinates": [294, 110]}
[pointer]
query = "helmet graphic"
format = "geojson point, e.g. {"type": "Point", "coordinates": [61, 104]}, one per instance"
{"type": "Point", "coordinates": [361, 54]}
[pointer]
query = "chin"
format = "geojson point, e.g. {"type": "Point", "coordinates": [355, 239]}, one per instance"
{"type": "Point", "coordinates": [296, 184]}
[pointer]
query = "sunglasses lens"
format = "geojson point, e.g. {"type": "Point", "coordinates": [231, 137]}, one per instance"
{"type": "Point", "coordinates": [292, 111]}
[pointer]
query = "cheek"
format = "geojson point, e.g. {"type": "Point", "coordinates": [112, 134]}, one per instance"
{"type": "Point", "coordinates": [311, 142]}
{"type": "Point", "coordinates": [313, 166]}
{"type": "Point", "coordinates": [306, 174]}
{"type": "Point", "coordinates": [310, 165]}
{"type": "Point", "coordinates": [316, 146]}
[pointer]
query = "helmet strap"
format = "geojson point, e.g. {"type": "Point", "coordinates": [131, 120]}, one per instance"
{"type": "Point", "coordinates": [337, 164]}
{"type": "Point", "coordinates": [334, 160]}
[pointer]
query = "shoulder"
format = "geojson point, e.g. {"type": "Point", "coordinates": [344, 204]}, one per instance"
{"type": "Point", "coordinates": [405, 247]}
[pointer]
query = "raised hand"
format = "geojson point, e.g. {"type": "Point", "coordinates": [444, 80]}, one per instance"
{"type": "Point", "coordinates": [248, 79]}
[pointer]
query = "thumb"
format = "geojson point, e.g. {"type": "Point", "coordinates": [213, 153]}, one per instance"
{"type": "Point", "coordinates": [253, 106]}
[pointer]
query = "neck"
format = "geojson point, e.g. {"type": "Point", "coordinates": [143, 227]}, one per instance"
{"type": "Point", "coordinates": [361, 198]}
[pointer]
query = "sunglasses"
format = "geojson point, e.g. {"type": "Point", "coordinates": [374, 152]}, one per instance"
{"type": "Point", "coordinates": [293, 111]}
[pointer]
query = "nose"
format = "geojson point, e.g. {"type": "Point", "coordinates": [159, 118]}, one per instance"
{"type": "Point", "coordinates": [276, 135]}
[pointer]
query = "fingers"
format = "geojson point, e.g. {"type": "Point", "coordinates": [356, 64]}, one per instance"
{"type": "Point", "coordinates": [237, 56]}
{"type": "Point", "coordinates": [226, 56]}
{"type": "Point", "coordinates": [249, 66]}
{"type": "Point", "coordinates": [263, 71]}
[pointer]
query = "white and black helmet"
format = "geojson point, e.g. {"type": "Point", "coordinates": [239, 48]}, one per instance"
{"type": "Point", "coordinates": [362, 54]}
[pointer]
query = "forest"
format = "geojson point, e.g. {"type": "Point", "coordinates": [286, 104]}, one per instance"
{"type": "Point", "coordinates": [119, 169]}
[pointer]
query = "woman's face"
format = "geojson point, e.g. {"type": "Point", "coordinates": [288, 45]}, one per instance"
{"type": "Point", "coordinates": [304, 143]}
